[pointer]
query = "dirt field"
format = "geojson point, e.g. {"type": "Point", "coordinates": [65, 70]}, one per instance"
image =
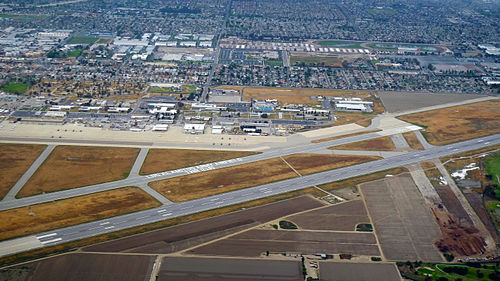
{"type": "Point", "coordinates": [223, 180]}
{"type": "Point", "coordinates": [458, 123]}
{"type": "Point", "coordinates": [180, 237]}
{"type": "Point", "coordinates": [38, 218]}
{"type": "Point", "coordinates": [453, 206]}
{"type": "Point", "coordinates": [340, 217]}
{"type": "Point", "coordinates": [313, 163]}
{"type": "Point", "coordinates": [413, 141]}
{"type": "Point", "coordinates": [336, 271]}
{"type": "Point", "coordinates": [344, 136]}
{"type": "Point", "coordinates": [378, 144]}
{"type": "Point", "coordinates": [74, 166]}
{"type": "Point", "coordinates": [401, 101]}
{"type": "Point", "coordinates": [403, 223]}
{"type": "Point", "coordinates": [159, 160]}
{"type": "Point", "coordinates": [83, 267]}
{"type": "Point", "coordinates": [15, 159]}
{"type": "Point", "coordinates": [215, 269]}
{"type": "Point", "coordinates": [254, 242]}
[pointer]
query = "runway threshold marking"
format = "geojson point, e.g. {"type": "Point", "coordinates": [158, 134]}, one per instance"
{"type": "Point", "coordinates": [46, 235]}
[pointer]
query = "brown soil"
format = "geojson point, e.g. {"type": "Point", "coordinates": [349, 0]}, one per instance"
{"type": "Point", "coordinates": [458, 123]}
{"type": "Point", "coordinates": [413, 141]}
{"type": "Point", "coordinates": [213, 182]}
{"type": "Point", "coordinates": [161, 241]}
{"type": "Point", "coordinates": [159, 160]}
{"type": "Point", "coordinates": [42, 217]}
{"type": "Point", "coordinates": [378, 144]}
{"type": "Point", "coordinates": [15, 159]}
{"type": "Point", "coordinates": [74, 166]}
{"type": "Point", "coordinates": [344, 136]}
{"type": "Point", "coordinates": [458, 240]}
{"type": "Point", "coordinates": [313, 163]}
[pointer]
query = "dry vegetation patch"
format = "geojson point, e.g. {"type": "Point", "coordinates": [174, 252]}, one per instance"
{"type": "Point", "coordinates": [458, 123]}
{"type": "Point", "coordinates": [213, 182]}
{"type": "Point", "coordinates": [377, 144]}
{"type": "Point", "coordinates": [42, 217]}
{"type": "Point", "coordinates": [15, 159]}
{"type": "Point", "coordinates": [75, 166]}
{"type": "Point", "coordinates": [413, 141]}
{"type": "Point", "coordinates": [159, 160]}
{"type": "Point", "coordinates": [313, 163]}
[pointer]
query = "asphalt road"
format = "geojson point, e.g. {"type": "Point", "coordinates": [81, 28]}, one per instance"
{"type": "Point", "coordinates": [85, 230]}
{"type": "Point", "coordinates": [136, 180]}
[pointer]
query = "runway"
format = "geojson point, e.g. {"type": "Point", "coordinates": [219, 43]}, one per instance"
{"type": "Point", "coordinates": [90, 229]}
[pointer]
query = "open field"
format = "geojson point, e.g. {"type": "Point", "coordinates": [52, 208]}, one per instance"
{"type": "Point", "coordinates": [403, 223]}
{"type": "Point", "coordinates": [75, 166]}
{"type": "Point", "coordinates": [337, 271]}
{"type": "Point", "coordinates": [255, 242]}
{"type": "Point", "coordinates": [42, 217]}
{"type": "Point", "coordinates": [316, 60]}
{"type": "Point", "coordinates": [413, 141]}
{"type": "Point", "coordinates": [313, 163]}
{"type": "Point", "coordinates": [159, 160]}
{"type": "Point", "coordinates": [433, 272]}
{"type": "Point", "coordinates": [82, 40]}
{"type": "Point", "coordinates": [458, 123]}
{"type": "Point", "coordinates": [340, 217]}
{"type": "Point", "coordinates": [179, 237]}
{"type": "Point", "coordinates": [15, 159]}
{"type": "Point", "coordinates": [493, 168]}
{"type": "Point", "coordinates": [223, 180]}
{"type": "Point", "coordinates": [215, 269]}
{"type": "Point", "coordinates": [377, 144]}
{"type": "Point", "coordinates": [83, 267]}
{"type": "Point", "coordinates": [404, 101]}
{"type": "Point", "coordinates": [340, 44]}
{"type": "Point", "coordinates": [15, 87]}
{"type": "Point", "coordinates": [360, 118]}
{"type": "Point", "coordinates": [344, 136]}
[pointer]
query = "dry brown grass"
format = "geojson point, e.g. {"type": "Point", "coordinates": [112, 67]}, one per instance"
{"type": "Point", "coordinates": [344, 136]}
{"type": "Point", "coordinates": [75, 166]}
{"type": "Point", "coordinates": [313, 163]}
{"type": "Point", "coordinates": [458, 123]}
{"type": "Point", "coordinates": [38, 218]}
{"type": "Point", "coordinates": [361, 179]}
{"type": "Point", "coordinates": [413, 141]}
{"type": "Point", "coordinates": [15, 159]}
{"type": "Point", "coordinates": [378, 144]}
{"type": "Point", "coordinates": [359, 118]}
{"type": "Point", "coordinates": [213, 182]}
{"type": "Point", "coordinates": [159, 160]}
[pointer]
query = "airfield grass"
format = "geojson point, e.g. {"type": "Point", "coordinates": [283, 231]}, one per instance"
{"type": "Point", "coordinates": [413, 141]}
{"type": "Point", "coordinates": [223, 180]}
{"type": "Point", "coordinates": [43, 217]}
{"type": "Point", "coordinates": [159, 160]}
{"type": "Point", "coordinates": [75, 166]}
{"type": "Point", "coordinates": [345, 136]}
{"type": "Point", "coordinates": [15, 159]}
{"type": "Point", "coordinates": [493, 167]}
{"type": "Point", "coordinates": [377, 144]}
{"type": "Point", "coordinates": [340, 44]}
{"type": "Point", "coordinates": [458, 123]}
{"type": "Point", "coordinates": [360, 118]}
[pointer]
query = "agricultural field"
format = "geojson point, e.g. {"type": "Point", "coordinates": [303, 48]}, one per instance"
{"type": "Point", "coordinates": [42, 217]}
{"type": "Point", "coordinates": [458, 123]}
{"type": "Point", "coordinates": [340, 44]}
{"type": "Point", "coordinates": [159, 160]}
{"type": "Point", "coordinates": [83, 267]}
{"type": "Point", "coordinates": [377, 144]}
{"type": "Point", "coordinates": [333, 271]}
{"type": "Point", "coordinates": [413, 141]}
{"type": "Point", "coordinates": [75, 166]}
{"type": "Point", "coordinates": [15, 159]}
{"type": "Point", "coordinates": [474, 272]}
{"type": "Point", "coordinates": [186, 235]}
{"type": "Point", "coordinates": [307, 164]}
{"type": "Point", "coordinates": [213, 182]}
{"type": "Point", "coordinates": [15, 88]}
